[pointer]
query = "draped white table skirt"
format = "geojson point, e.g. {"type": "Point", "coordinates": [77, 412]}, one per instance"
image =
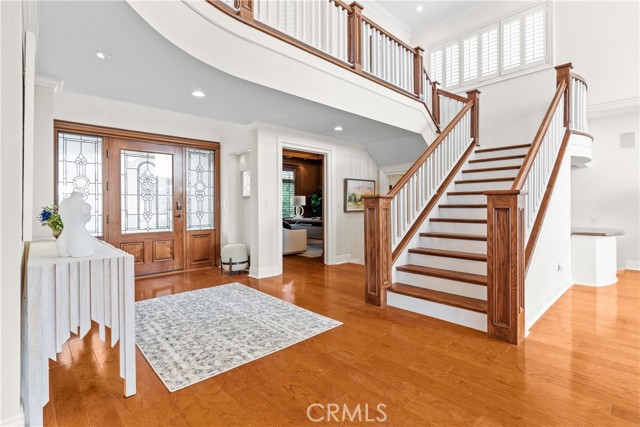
{"type": "Point", "coordinates": [62, 294]}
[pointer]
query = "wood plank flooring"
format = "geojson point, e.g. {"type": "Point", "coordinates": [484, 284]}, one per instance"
{"type": "Point", "coordinates": [578, 367]}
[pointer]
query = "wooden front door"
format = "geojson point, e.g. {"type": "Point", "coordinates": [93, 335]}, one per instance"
{"type": "Point", "coordinates": [146, 203]}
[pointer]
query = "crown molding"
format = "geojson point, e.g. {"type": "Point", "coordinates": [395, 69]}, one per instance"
{"type": "Point", "coordinates": [51, 82]}
{"type": "Point", "coordinates": [612, 108]}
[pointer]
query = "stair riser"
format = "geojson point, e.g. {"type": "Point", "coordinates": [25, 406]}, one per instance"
{"type": "Point", "coordinates": [502, 153]}
{"type": "Point", "coordinates": [467, 213]}
{"type": "Point", "coordinates": [478, 247]}
{"type": "Point", "coordinates": [490, 174]}
{"type": "Point", "coordinates": [481, 186]}
{"type": "Point", "coordinates": [458, 227]}
{"type": "Point", "coordinates": [459, 316]}
{"type": "Point", "coordinates": [455, 264]}
{"type": "Point", "coordinates": [495, 164]}
{"type": "Point", "coordinates": [479, 199]}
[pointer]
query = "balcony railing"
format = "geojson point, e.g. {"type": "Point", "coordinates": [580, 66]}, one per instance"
{"type": "Point", "coordinates": [340, 34]}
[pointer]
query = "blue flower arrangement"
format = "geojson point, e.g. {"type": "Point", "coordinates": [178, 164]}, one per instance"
{"type": "Point", "coordinates": [51, 218]}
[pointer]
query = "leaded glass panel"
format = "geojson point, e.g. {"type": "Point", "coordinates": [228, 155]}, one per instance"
{"type": "Point", "coordinates": [80, 169]}
{"type": "Point", "coordinates": [200, 189]}
{"type": "Point", "coordinates": [146, 192]}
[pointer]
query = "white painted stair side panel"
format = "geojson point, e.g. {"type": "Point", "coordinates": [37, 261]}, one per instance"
{"type": "Point", "coordinates": [460, 316]}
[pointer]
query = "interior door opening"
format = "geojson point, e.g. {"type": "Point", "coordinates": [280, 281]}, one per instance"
{"type": "Point", "coordinates": [303, 193]}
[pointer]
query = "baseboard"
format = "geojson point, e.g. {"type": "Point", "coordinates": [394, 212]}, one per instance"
{"type": "Point", "coordinates": [17, 421]}
{"type": "Point", "coordinates": [633, 264]}
{"type": "Point", "coordinates": [356, 261]}
{"type": "Point", "coordinates": [533, 315]}
{"type": "Point", "coordinates": [261, 273]}
{"type": "Point", "coordinates": [341, 259]}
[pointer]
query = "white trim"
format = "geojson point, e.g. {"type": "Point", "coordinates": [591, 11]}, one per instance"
{"type": "Point", "coordinates": [17, 421]}
{"type": "Point", "coordinates": [633, 264]}
{"type": "Point", "coordinates": [296, 142]}
{"type": "Point", "coordinates": [342, 259]}
{"type": "Point", "coordinates": [611, 108]}
{"type": "Point", "coordinates": [387, 170]}
{"type": "Point", "coordinates": [534, 314]}
{"type": "Point", "coordinates": [52, 82]}
{"type": "Point", "coordinates": [270, 271]}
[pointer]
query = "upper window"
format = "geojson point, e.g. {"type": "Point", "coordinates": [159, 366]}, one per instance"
{"type": "Point", "coordinates": [288, 191]}
{"type": "Point", "coordinates": [514, 43]}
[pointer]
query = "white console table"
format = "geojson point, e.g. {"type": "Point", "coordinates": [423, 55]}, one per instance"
{"type": "Point", "coordinates": [62, 294]}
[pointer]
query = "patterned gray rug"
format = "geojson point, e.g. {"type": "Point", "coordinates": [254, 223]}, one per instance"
{"type": "Point", "coordinates": [192, 336]}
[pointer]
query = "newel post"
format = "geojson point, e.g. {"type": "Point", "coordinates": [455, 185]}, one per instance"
{"type": "Point", "coordinates": [377, 248]}
{"type": "Point", "coordinates": [435, 102]}
{"type": "Point", "coordinates": [505, 266]}
{"type": "Point", "coordinates": [355, 36]}
{"type": "Point", "coordinates": [245, 9]}
{"type": "Point", "coordinates": [418, 67]}
{"type": "Point", "coordinates": [563, 73]}
{"type": "Point", "coordinates": [474, 95]}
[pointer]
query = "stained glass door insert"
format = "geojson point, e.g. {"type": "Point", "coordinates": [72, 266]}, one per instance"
{"type": "Point", "coordinates": [149, 219]}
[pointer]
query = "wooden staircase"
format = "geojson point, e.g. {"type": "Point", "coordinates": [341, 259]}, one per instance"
{"type": "Point", "coordinates": [449, 267]}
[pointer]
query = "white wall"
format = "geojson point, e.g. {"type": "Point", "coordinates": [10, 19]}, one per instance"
{"type": "Point", "coordinates": [549, 274]}
{"type": "Point", "coordinates": [607, 192]}
{"type": "Point", "coordinates": [11, 101]}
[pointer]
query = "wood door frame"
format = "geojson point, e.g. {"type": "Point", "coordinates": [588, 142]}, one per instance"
{"type": "Point", "coordinates": [110, 133]}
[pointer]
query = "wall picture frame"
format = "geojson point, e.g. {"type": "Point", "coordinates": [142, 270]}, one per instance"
{"type": "Point", "coordinates": [245, 183]}
{"type": "Point", "coordinates": [354, 189]}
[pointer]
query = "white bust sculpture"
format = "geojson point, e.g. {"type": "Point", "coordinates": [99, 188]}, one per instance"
{"type": "Point", "coordinates": [75, 240]}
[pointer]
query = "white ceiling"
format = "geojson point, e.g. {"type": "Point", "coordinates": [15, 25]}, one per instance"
{"type": "Point", "coordinates": [146, 69]}
{"type": "Point", "coordinates": [404, 15]}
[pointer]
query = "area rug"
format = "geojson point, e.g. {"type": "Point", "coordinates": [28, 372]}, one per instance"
{"type": "Point", "coordinates": [192, 336]}
{"type": "Point", "coordinates": [314, 250]}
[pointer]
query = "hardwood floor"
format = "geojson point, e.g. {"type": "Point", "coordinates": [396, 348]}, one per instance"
{"type": "Point", "coordinates": [579, 366]}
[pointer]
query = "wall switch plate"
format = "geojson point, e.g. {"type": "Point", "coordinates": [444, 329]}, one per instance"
{"type": "Point", "coordinates": [628, 140]}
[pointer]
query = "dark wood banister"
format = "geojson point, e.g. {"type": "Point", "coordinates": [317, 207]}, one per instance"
{"type": "Point", "coordinates": [243, 11]}
{"type": "Point", "coordinates": [507, 256]}
{"type": "Point", "coordinates": [539, 138]}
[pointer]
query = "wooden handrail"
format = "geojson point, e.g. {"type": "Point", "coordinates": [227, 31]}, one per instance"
{"type": "Point", "coordinates": [244, 12]}
{"type": "Point", "coordinates": [452, 95]}
{"type": "Point", "coordinates": [579, 77]}
{"type": "Point", "coordinates": [537, 141]}
{"type": "Point", "coordinates": [405, 178]}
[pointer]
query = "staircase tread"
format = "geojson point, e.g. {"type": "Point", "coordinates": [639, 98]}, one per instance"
{"type": "Point", "coordinates": [462, 205]}
{"type": "Point", "coordinates": [453, 300]}
{"type": "Point", "coordinates": [473, 181]}
{"type": "Point", "coordinates": [455, 236]}
{"type": "Point", "coordinates": [500, 168]}
{"type": "Point", "coordinates": [497, 159]}
{"type": "Point", "coordinates": [465, 193]}
{"type": "Point", "coordinates": [462, 220]}
{"type": "Point", "coordinates": [476, 279]}
{"type": "Point", "coordinates": [506, 147]}
{"type": "Point", "coordinates": [470, 256]}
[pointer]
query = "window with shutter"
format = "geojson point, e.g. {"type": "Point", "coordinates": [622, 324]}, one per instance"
{"type": "Point", "coordinates": [511, 44]}
{"type": "Point", "coordinates": [435, 68]}
{"type": "Point", "coordinates": [452, 65]}
{"type": "Point", "coordinates": [534, 35]}
{"type": "Point", "coordinates": [288, 191]}
{"type": "Point", "coordinates": [470, 58]}
{"type": "Point", "coordinates": [489, 51]}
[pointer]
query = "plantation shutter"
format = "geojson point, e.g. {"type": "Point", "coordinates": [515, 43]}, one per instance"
{"type": "Point", "coordinates": [511, 44]}
{"type": "Point", "coordinates": [470, 58]}
{"type": "Point", "coordinates": [489, 51]}
{"type": "Point", "coordinates": [452, 65]}
{"type": "Point", "coordinates": [435, 69]}
{"type": "Point", "coordinates": [534, 37]}
{"type": "Point", "coordinates": [288, 191]}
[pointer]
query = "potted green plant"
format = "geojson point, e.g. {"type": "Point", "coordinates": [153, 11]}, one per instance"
{"type": "Point", "coordinates": [315, 201]}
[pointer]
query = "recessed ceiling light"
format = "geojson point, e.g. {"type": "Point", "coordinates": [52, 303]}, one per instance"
{"type": "Point", "coordinates": [419, 8]}
{"type": "Point", "coordinates": [103, 55]}
{"type": "Point", "coordinates": [337, 128]}
{"type": "Point", "coordinates": [198, 94]}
